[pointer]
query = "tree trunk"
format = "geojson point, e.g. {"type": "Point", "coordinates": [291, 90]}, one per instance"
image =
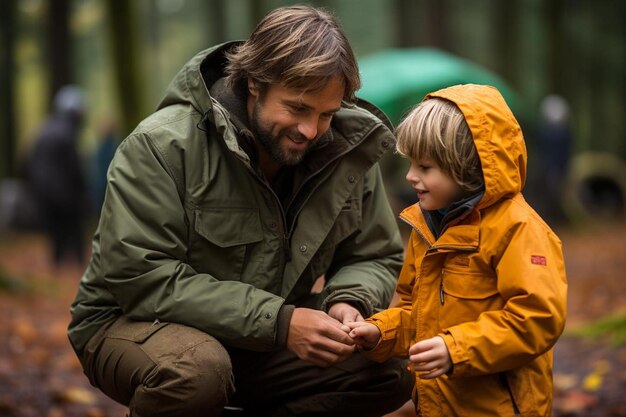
{"type": "Point", "coordinates": [554, 24]}
{"type": "Point", "coordinates": [406, 15]}
{"type": "Point", "coordinates": [217, 18]}
{"type": "Point", "coordinates": [7, 111]}
{"type": "Point", "coordinates": [257, 12]}
{"type": "Point", "coordinates": [126, 59]}
{"type": "Point", "coordinates": [434, 24]}
{"type": "Point", "coordinates": [506, 40]}
{"type": "Point", "coordinates": [59, 52]}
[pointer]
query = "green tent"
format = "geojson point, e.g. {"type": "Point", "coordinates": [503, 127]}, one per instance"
{"type": "Point", "coordinates": [397, 79]}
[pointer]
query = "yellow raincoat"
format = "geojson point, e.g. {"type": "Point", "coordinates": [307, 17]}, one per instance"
{"type": "Point", "coordinates": [493, 285]}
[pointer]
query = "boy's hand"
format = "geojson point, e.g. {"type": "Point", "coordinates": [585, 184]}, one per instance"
{"type": "Point", "coordinates": [365, 335]}
{"type": "Point", "coordinates": [430, 356]}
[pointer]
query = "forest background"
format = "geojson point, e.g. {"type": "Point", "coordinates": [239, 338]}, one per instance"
{"type": "Point", "coordinates": [124, 53]}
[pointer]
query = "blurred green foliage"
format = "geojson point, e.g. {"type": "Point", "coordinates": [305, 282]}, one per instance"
{"type": "Point", "coordinates": [611, 327]}
{"type": "Point", "coordinates": [11, 284]}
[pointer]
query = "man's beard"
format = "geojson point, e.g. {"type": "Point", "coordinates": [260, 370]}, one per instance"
{"type": "Point", "coordinates": [271, 143]}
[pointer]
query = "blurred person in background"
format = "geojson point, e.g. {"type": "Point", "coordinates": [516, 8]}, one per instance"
{"type": "Point", "coordinates": [257, 174]}
{"type": "Point", "coordinates": [56, 176]}
{"type": "Point", "coordinates": [554, 140]}
{"type": "Point", "coordinates": [100, 160]}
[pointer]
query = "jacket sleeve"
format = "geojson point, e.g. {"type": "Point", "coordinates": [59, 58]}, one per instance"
{"type": "Point", "coordinates": [144, 237]}
{"type": "Point", "coordinates": [366, 264]}
{"type": "Point", "coordinates": [531, 279]}
{"type": "Point", "coordinates": [396, 327]}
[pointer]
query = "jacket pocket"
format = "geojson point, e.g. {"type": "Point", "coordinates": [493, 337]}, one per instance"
{"type": "Point", "coordinates": [228, 227]}
{"type": "Point", "coordinates": [133, 331]}
{"type": "Point", "coordinates": [484, 395]}
{"type": "Point", "coordinates": [464, 296]}
{"type": "Point", "coordinates": [228, 237]}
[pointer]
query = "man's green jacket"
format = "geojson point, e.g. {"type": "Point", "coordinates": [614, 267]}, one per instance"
{"type": "Point", "coordinates": [191, 233]}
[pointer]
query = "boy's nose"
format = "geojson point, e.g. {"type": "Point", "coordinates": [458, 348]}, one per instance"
{"type": "Point", "coordinates": [411, 176]}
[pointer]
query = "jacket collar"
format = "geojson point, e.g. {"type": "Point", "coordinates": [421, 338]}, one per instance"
{"type": "Point", "coordinates": [194, 85]}
{"type": "Point", "coordinates": [462, 235]}
{"type": "Point", "coordinates": [235, 104]}
{"type": "Point", "coordinates": [438, 222]}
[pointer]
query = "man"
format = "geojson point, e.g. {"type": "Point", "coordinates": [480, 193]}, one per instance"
{"type": "Point", "coordinates": [56, 177]}
{"type": "Point", "coordinates": [222, 210]}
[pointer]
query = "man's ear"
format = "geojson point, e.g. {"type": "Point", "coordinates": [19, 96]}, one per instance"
{"type": "Point", "coordinates": [253, 88]}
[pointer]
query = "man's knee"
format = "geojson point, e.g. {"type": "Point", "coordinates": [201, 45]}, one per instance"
{"type": "Point", "coordinates": [165, 369]}
{"type": "Point", "coordinates": [195, 381]}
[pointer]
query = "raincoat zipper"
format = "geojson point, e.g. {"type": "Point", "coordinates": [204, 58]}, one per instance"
{"type": "Point", "coordinates": [441, 298]}
{"type": "Point", "coordinates": [505, 382]}
{"type": "Point", "coordinates": [432, 249]}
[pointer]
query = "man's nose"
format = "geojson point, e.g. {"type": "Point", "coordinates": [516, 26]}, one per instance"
{"type": "Point", "coordinates": [308, 128]}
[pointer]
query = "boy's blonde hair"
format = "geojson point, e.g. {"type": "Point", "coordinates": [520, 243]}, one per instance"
{"type": "Point", "coordinates": [436, 129]}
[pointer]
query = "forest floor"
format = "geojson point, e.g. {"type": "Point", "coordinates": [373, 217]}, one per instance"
{"type": "Point", "coordinates": [41, 377]}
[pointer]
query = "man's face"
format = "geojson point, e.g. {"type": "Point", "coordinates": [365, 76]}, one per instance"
{"type": "Point", "coordinates": [286, 121]}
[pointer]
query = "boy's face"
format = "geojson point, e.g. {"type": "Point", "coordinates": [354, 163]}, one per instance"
{"type": "Point", "coordinates": [286, 121]}
{"type": "Point", "coordinates": [435, 189]}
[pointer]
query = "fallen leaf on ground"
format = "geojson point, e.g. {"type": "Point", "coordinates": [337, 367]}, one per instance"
{"type": "Point", "coordinates": [75, 395]}
{"type": "Point", "coordinates": [574, 402]}
{"type": "Point", "coordinates": [564, 382]}
{"type": "Point", "coordinates": [594, 380]}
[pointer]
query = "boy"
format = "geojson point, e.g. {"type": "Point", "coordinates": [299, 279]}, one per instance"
{"type": "Point", "coordinates": [482, 293]}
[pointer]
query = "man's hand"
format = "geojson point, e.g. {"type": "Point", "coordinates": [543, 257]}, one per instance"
{"type": "Point", "coordinates": [431, 357]}
{"type": "Point", "coordinates": [316, 337]}
{"type": "Point", "coordinates": [345, 313]}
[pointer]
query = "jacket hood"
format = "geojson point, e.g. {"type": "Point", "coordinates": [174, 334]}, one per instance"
{"type": "Point", "coordinates": [497, 136]}
{"type": "Point", "coordinates": [191, 84]}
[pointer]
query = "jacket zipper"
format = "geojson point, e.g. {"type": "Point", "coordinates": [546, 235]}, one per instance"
{"type": "Point", "coordinates": [286, 252]}
{"type": "Point", "coordinates": [441, 298]}
{"type": "Point", "coordinates": [314, 174]}
{"type": "Point", "coordinates": [432, 249]}
{"type": "Point", "coordinates": [505, 382]}
{"type": "Point", "coordinates": [286, 232]}
{"type": "Point", "coordinates": [287, 229]}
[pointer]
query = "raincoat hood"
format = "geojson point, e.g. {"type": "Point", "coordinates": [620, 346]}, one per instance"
{"type": "Point", "coordinates": [190, 85]}
{"type": "Point", "coordinates": [497, 136]}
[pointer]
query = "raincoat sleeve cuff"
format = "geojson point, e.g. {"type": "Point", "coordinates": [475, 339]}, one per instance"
{"type": "Point", "coordinates": [364, 306]}
{"type": "Point", "coordinates": [458, 356]}
{"type": "Point", "coordinates": [282, 325]}
{"type": "Point", "coordinates": [379, 352]}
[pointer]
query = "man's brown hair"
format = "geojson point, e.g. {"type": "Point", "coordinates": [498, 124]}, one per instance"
{"type": "Point", "coordinates": [300, 47]}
